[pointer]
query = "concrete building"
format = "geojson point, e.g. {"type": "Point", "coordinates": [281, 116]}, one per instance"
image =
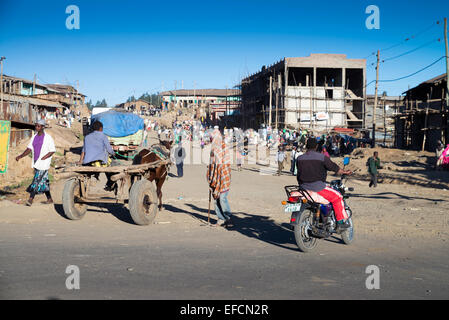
{"type": "Point", "coordinates": [321, 91]}
{"type": "Point", "coordinates": [215, 104]}
{"type": "Point", "coordinates": [189, 98]}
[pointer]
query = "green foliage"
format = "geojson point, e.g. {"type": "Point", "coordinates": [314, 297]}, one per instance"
{"type": "Point", "coordinates": [101, 104]}
{"type": "Point", "coordinates": [131, 99]}
{"type": "Point", "coordinates": [90, 105]}
{"type": "Point", "coordinates": [154, 98]}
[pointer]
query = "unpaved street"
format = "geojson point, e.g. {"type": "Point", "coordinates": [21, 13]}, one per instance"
{"type": "Point", "coordinates": [401, 229]}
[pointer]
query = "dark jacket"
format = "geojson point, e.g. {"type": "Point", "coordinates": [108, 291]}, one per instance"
{"type": "Point", "coordinates": [312, 170]}
{"type": "Point", "coordinates": [373, 165]}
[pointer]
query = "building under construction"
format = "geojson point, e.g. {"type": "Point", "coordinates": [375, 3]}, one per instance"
{"type": "Point", "coordinates": [321, 91]}
{"type": "Point", "coordinates": [423, 117]}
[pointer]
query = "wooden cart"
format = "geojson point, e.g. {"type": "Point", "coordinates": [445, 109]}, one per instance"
{"type": "Point", "coordinates": [132, 187]}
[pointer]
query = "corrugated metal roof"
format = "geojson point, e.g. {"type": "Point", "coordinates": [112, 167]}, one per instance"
{"type": "Point", "coordinates": [33, 101]}
{"type": "Point", "coordinates": [430, 81]}
{"type": "Point", "coordinates": [6, 78]}
{"type": "Point", "coordinates": [202, 92]}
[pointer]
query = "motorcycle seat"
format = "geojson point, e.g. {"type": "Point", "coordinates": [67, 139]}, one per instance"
{"type": "Point", "coordinates": [314, 195]}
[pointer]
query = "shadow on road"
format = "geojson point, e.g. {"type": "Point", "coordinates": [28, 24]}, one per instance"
{"type": "Point", "coordinates": [392, 196]}
{"type": "Point", "coordinates": [252, 226]}
{"type": "Point", "coordinates": [117, 210]}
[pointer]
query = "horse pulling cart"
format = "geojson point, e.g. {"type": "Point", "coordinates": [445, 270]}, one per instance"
{"type": "Point", "coordinates": [132, 186]}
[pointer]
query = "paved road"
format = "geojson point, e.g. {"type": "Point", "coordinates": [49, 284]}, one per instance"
{"type": "Point", "coordinates": [181, 258]}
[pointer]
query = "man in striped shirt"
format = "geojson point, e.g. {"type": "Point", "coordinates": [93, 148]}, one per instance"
{"type": "Point", "coordinates": [219, 178]}
{"type": "Point", "coordinates": [312, 172]}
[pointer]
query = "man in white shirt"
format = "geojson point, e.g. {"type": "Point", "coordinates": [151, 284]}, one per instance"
{"type": "Point", "coordinates": [280, 159]}
{"type": "Point", "coordinates": [42, 148]}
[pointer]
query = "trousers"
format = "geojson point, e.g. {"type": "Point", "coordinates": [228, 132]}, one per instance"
{"type": "Point", "coordinates": [336, 199]}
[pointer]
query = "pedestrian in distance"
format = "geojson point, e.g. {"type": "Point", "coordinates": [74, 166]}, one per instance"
{"type": "Point", "coordinates": [438, 152]}
{"type": "Point", "coordinates": [42, 148]}
{"type": "Point", "coordinates": [280, 159]}
{"type": "Point", "coordinates": [373, 164]}
{"type": "Point", "coordinates": [180, 154]}
{"type": "Point", "coordinates": [293, 160]}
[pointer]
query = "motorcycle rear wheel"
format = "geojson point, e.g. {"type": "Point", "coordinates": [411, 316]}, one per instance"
{"type": "Point", "coordinates": [302, 230]}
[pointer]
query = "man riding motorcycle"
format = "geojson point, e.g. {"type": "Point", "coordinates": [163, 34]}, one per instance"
{"type": "Point", "coordinates": [312, 171]}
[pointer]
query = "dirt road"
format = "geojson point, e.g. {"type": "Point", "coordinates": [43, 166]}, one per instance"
{"type": "Point", "coordinates": [401, 229]}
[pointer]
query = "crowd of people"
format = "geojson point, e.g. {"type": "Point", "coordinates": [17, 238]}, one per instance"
{"type": "Point", "coordinates": [64, 118]}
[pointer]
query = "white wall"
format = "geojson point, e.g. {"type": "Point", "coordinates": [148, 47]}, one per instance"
{"type": "Point", "coordinates": [301, 107]}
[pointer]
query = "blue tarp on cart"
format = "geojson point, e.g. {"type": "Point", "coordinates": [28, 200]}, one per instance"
{"type": "Point", "coordinates": [119, 124]}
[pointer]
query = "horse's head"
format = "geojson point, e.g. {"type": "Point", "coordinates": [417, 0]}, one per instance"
{"type": "Point", "coordinates": [166, 143]}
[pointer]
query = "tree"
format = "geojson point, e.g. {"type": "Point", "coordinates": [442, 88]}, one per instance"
{"type": "Point", "coordinates": [131, 99]}
{"type": "Point", "coordinates": [101, 104]}
{"type": "Point", "coordinates": [89, 105]}
{"type": "Point", "coordinates": [154, 98]}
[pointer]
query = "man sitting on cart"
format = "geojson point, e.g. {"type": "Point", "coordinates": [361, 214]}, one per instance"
{"type": "Point", "coordinates": [96, 151]}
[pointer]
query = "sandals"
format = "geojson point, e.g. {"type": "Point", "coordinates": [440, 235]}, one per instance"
{"type": "Point", "coordinates": [28, 203]}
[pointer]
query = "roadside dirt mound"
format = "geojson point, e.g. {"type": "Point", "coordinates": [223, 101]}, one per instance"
{"type": "Point", "coordinates": [401, 167]}
{"type": "Point", "coordinates": [64, 137]}
{"type": "Point", "coordinates": [391, 155]}
{"type": "Point", "coordinates": [167, 118]}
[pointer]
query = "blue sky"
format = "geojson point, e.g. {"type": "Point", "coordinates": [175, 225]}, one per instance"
{"type": "Point", "coordinates": [129, 47]}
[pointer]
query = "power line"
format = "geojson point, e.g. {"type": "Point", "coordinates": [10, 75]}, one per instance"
{"type": "Point", "coordinates": [410, 75]}
{"type": "Point", "coordinates": [406, 39]}
{"type": "Point", "coordinates": [411, 51]}
{"type": "Point", "coordinates": [407, 52]}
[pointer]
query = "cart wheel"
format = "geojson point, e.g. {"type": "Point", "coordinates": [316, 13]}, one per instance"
{"type": "Point", "coordinates": [72, 209]}
{"type": "Point", "coordinates": [143, 202]}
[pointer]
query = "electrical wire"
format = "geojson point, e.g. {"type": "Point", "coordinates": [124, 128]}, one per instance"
{"type": "Point", "coordinates": [406, 39]}
{"type": "Point", "coordinates": [411, 51]}
{"type": "Point", "coordinates": [410, 75]}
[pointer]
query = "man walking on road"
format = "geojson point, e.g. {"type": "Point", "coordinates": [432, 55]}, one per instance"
{"type": "Point", "coordinates": [180, 154]}
{"type": "Point", "coordinates": [219, 178]}
{"type": "Point", "coordinates": [280, 159]}
{"type": "Point", "coordinates": [373, 165]}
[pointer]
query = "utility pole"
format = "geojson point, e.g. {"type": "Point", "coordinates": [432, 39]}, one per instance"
{"type": "Point", "coordinates": [226, 112]}
{"type": "Point", "coordinates": [375, 99]}
{"type": "Point", "coordinates": [271, 101]}
{"type": "Point", "coordinates": [77, 90]}
{"type": "Point", "coordinates": [447, 76]}
{"type": "Point", "coordinates": [447, 63]}
{"type": "Point", "coordinates": [384, 117]}
{"type": "Point", "coordinates": [194, 93]}
{"type": "Point", "coordinates": [34, 85]}
{"type": "Point", "coordinates": [1, 81]}
{"type": "Point", "coordinates": [175, 104]}
{"type": "Point", "coordinates": [278, 99]}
